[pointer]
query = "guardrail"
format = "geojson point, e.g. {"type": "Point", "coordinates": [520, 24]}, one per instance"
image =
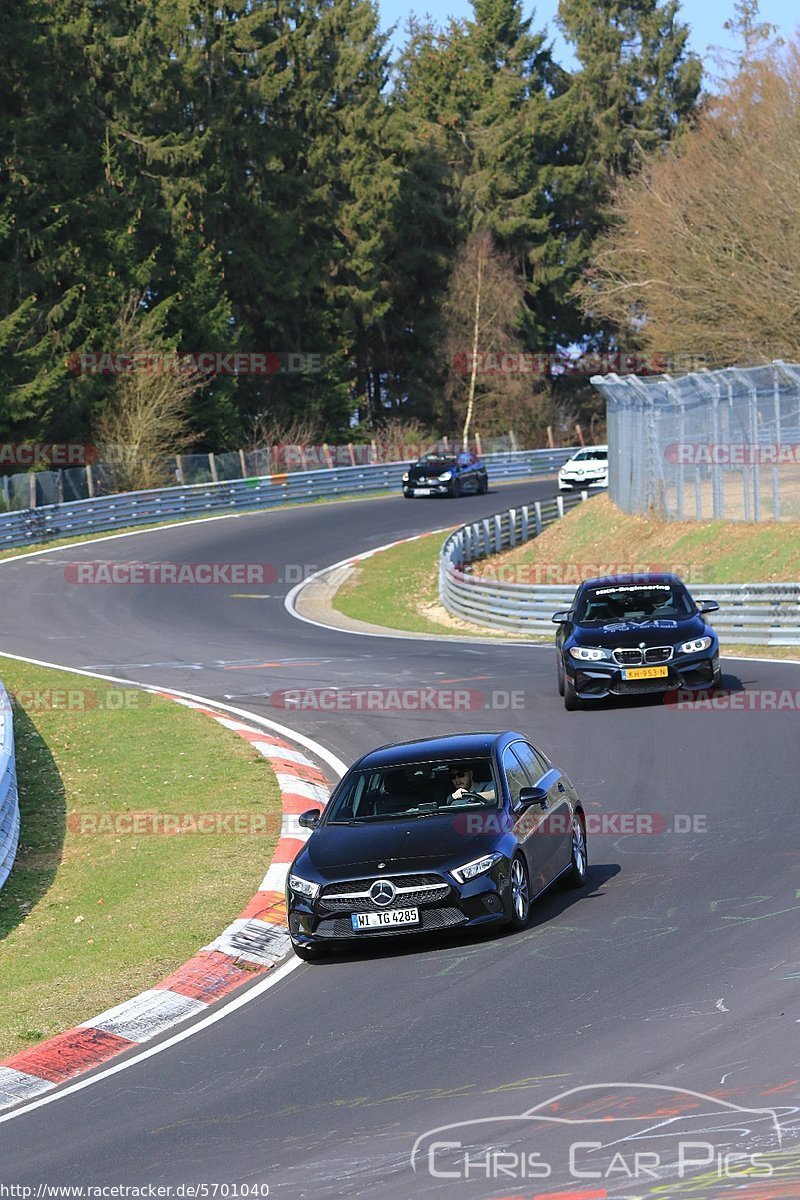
{"type": "Point", "coordinates": [760, 614]}
{"type": "Point", "coordinates": [106, 513]}
{"type": "Point", "coordinates": [9, 802]}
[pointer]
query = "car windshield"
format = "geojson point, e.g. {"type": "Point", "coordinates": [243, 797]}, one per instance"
{"type": "Point", "coordinates": [595, 454]}
{"type": "Point", "coordinates": [639, 602]}
{"type": "Point", "coordinates": [414, 790]}
{"type": "Point", "coordinates": [437, 460]}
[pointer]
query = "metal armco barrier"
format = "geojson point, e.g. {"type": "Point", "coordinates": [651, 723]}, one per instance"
{"type": "Point", "coordinates": [9, 804]}
{"type": "Point", "coordinates": [106, 513]}
{"type": "Point", "coordinates": [760, 614]}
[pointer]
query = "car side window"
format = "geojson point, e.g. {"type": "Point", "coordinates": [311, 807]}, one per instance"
{"type": "Point", "coordinates": [515, 773]}
{"type": "Point", "coordinates": [535, 764]}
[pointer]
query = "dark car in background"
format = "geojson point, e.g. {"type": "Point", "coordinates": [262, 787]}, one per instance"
{"type": "Point", "coordinates": [627, 635]}
{"type": "Point", "coordinates": [445, 475]}
{"type": "Point", "coordinates": [433, 835]}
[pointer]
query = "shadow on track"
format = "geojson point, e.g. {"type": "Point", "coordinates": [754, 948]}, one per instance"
{"type": "Point", "coordinates": [550, 905]}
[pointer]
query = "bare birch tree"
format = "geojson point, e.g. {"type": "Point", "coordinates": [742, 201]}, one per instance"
{"type": "Point", "coordinates": [482, 312]}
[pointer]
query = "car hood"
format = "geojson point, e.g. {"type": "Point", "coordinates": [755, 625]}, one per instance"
{"type": "Point", "coordinates": [630, 633]}
{"type": "Point", "coordinates": [418, 844]}
{"type": "Point", "coordinates": [419, 471]}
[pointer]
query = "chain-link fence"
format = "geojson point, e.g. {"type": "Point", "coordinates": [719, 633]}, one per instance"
{"type": "Point", "coordinates": [710, 444]}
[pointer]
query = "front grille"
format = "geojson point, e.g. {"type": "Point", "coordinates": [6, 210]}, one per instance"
{"type": "Point", "coordinates": [635, 657]}
{"type": "Point", "coordinates": [658, 654]}
{"type": "Point", "coordinates": [430, 919]}
{"type": "Point", "coordinates": [411, 889]}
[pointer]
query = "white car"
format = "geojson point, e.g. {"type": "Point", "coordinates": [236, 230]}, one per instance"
{"type": "Point", "coordinates": [586, 469]}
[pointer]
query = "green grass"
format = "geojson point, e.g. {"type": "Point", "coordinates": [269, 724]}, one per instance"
{"type": "Point", "coordinates": [395, 587]}
{"type": "Point", "coordinates": [700, 551]}
{"type": "Point", "coordinates": [90, 919]}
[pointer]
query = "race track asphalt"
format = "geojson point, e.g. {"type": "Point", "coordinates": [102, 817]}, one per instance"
{"type": "Point", "coordinates": [677, 965]}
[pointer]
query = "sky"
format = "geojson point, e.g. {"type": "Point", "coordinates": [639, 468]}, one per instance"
{"type": "Point", "coordinates": [704, 17]}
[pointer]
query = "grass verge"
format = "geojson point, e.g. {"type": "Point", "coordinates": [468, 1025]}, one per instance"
{"type": "Point", "coordinates": [398, 588]}
{"type": "Point", "coordinates": [88, 919]}
{"type": "Point", "coordinates": [597, 538]}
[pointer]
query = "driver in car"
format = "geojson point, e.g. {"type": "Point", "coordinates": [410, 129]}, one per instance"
{"type": "Point", "coordinates": [463, 782]}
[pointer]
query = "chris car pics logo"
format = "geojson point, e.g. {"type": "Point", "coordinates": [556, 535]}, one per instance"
{"type": "Point", "coordinates": [629, 1135]}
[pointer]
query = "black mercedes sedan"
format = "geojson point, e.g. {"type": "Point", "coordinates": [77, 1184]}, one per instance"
{"type": "Point", "coordinates": [433, 835]}
{"type": "Point", "coordinates": [626, 635]}
{"type": "Point", "coordinates": [445, 475]}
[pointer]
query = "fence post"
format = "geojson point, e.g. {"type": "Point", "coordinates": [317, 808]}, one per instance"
{"type": "Point", "coordinates": [89, 481]}
{"type": "Point", "coordinates": [212, 466]}
{"type": "Point", "coordinates": [60, 487]}
{"type": "Point", "coordinates": [7, 492]}
{"type": "Point", "coordinates": [512, 527]}
{"type": "Point", "coordinates": [179, 469]}
{"type": "Point", "coordinates": [31, 490]}
{"type": "Point", "coordinates": [242, 463]}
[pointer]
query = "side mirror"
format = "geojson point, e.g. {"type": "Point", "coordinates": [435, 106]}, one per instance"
{"type": "Point", "coordinates": [528, 796]}
{"type": "Point", "coordinates": [309, 819]}
{"type": "Point", "coordinates": [707, 606]}
{"type": "Point", "coordinates": [560, 618]}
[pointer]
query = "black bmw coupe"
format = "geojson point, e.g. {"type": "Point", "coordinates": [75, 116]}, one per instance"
{"type": "Point", "coordinates": [433, 835]}
{"type": "Point", "coordinates": [626, 635]}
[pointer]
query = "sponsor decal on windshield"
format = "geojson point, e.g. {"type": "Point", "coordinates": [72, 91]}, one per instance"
{"type": "Point", "coordinates": [632, 626]}
{"type": "Point", "coordinates": [633, 587]}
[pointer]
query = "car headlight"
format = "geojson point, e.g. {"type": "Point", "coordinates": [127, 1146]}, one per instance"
{"type": "Point", "coordinates": [405, 477]}
{"type": "Point", "coordinates": [695, 646]}
{"type": "Point", "coordinates": [478, 866]}
{"type": "Point", "coordinates": [445, 476]}
{"type": "Point", "coordinates": [304, 887]}
{"type": "Point", "coordinates": [588, 653]}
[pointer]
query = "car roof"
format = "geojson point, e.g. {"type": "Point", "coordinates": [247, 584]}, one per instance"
{"type": "Point", "coordinates": [453, 746]}
{"type": "Point", "coordinates": [643, 579]}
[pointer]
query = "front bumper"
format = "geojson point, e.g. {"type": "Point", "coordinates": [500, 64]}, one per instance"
{"type": "Point", "coordinates": [482, 901]}
{"type": "Point", "coordinates": [571, 484]}
{"type": "Point", "coordinates": [686, 672]}
{"type": "Point", "coordinates": [427, 489]}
